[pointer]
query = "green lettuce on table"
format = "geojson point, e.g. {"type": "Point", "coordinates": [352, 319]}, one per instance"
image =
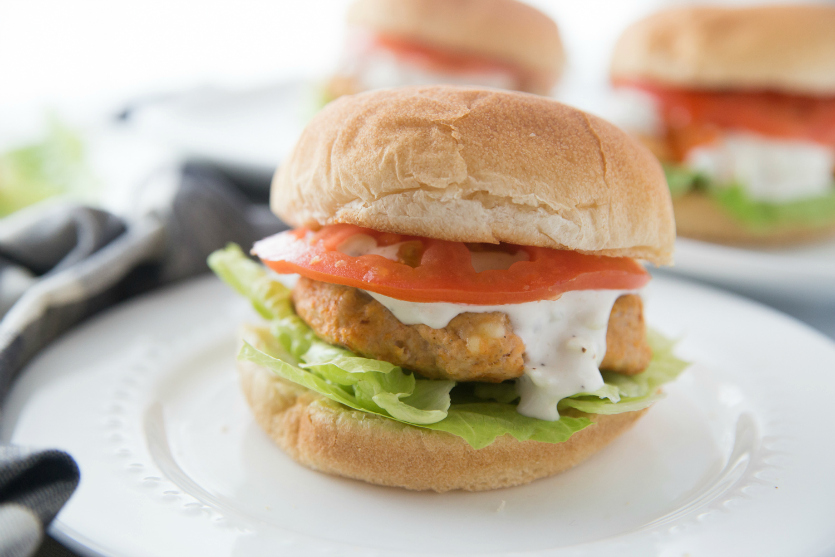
{"type": "Point", "coordinates": [476, 412]}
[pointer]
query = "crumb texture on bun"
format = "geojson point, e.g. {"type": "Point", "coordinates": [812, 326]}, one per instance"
{"type": "Point", "coordinates": [476, 165]}
{"type": "Point", "coordinates": [506, 30]}
{"type": "Point", "coordinates": [331, 438]}
{"type": "Point", "coordinates": [782, 48]}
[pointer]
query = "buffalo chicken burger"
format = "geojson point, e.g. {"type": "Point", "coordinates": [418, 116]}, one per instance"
{"type": "Point", "coordinates": [503, 44]}
{"type": "Point", "coordinates": [468, 310]}
{"type": "Point", "coordinates": [739, 104]}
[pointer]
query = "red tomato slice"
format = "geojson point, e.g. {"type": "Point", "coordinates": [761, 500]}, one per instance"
{"type": "Point", "coordinates": [443, 61]}
{"type": "Point", "coordinates": [764, 112]}
{"type": "Point", "coordinates": [443, 271]}
{"type": "Point", "coordinates": [682, 139]}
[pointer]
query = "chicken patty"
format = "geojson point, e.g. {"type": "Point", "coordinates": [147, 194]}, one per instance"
{"type": "Point", "coordinates": [473, 347]}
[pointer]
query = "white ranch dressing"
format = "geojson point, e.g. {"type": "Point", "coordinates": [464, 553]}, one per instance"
{"type": "Point", "coordinates": [771, 170]}
{"type": "Point", "coordinates": [565, 341]}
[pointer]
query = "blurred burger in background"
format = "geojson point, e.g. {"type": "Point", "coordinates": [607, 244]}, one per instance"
{"type": "Point", "coordinates": [501, 44]}
{"type": "Point", "coordinates": [739, 105]}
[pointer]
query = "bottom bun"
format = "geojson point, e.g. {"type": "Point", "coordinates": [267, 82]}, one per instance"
{"type": "Point", "coordinates": [700, 217]}
{"type": "Point", "coordinates": [328, 437]}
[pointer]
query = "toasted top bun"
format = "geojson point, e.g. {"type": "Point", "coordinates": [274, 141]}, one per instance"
{"type": "Point", "coordinates": [503, 29]}
{"type": "Point", "coordinates": [477, 165]}
{"type": "Point", "coordinates": [782, 48]}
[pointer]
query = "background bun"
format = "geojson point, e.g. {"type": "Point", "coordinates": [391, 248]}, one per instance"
{"type": "Point", "coordinates": [332, 438]}
{"type": "Point", "coordinates": [506, 30]}
{"type": "Point", "coordinates": [700, 217]}
{"type": "Point", "coordinates": [478, 165]}
{"type": "Point", "coordinates": [784, 48]}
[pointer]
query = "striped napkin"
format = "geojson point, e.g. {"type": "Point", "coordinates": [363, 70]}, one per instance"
{"type": "Point", "coordinates": [61, 263]}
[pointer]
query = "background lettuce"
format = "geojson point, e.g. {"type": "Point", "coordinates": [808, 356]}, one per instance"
{"type": "Point", "coordinates": [812, 211]}
{"type": "Point", "coordinates": [53, 166]}
{"type": "Point", "coordinates": [681, 179]}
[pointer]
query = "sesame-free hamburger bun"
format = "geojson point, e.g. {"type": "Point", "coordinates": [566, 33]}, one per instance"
{"type": "Point", "coordinates": [507, 31]}
{"type": "Point", "coordinates": [789, 48]}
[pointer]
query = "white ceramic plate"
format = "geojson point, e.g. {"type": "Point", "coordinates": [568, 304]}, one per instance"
{"type": "Point", "coordinates": [804, 274]}
{"type": "Point", "coordinates": [246, 131]}
{"type": "Point", "coordinates": [737, 460]}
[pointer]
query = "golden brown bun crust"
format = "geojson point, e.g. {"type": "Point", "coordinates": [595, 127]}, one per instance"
{"type": "Point", "coordinates": [502, 29]}
{"type": "Point", "coordinates": [331, 438]}
{"type": "Point", "coordinates": [782, 48]}
{"type": "Point", "coordinates": [478, 165]}
{"type": "Point", "coordinates": [699, 217]}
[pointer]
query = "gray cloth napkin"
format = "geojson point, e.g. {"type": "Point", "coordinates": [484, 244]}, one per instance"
{"type": "Point", "coordinates": [62, 263]}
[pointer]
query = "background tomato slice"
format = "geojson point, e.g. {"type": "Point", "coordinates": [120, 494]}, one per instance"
{"type": "Point", "coordinates": [765, 112]}
{"type": "Point", "coordinates": [445, 272]}
{"type": "Point", "coordinates": [444, 61]}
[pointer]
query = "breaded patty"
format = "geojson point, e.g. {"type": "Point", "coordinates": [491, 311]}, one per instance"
{"type": "Point", "coordinates": [627, 351]}
{"type": "Point", "coordinates": [473, 347]}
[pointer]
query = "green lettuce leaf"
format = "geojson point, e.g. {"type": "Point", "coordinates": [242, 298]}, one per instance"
{"type": "Point", "coordinates": [427, 405]}
{"type": "Point", "coordinates": [478, 413]}
{"type": "Point", "coordinates": [270, 298]}
{"type": "Point", "coordinates": [360, 383]}
{"type": "Point", "coordinates": [681, 179]}
{"type": "Point", "coordinates": [480, 423]}
{"type": "Point", "coordinates": [52, 166]}
{"type": "Point", "coordinates": [812, 211]}
{"type": "Point", "coordinates": [381, 385]}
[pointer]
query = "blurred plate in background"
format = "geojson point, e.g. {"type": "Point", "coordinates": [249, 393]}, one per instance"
{"type": "Point", "coordinates": [805, 273]}
{"type": "Point", "coordinates": [245, 132]}
{"type": "Point", "coordinates": [799, 281]}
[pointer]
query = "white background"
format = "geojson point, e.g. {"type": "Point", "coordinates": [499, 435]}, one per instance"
{"type": "Point", "coordinates": [90, 57]}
